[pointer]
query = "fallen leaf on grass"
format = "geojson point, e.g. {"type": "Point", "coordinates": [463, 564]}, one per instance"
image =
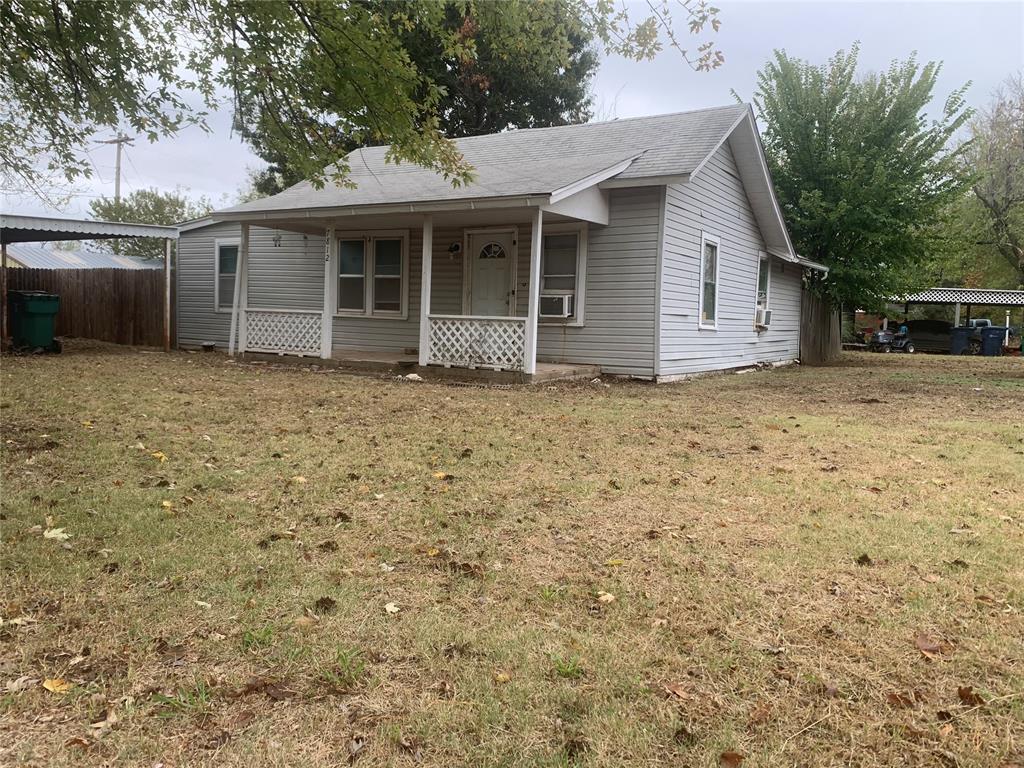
{"type": "Point", "coordinates": [411, 747]}
{"type": "Point", "coordinates": [56, 533]}
{"type": "Point", "coordinates": [968, 697]}
{"type": "Point", "coordinates": [355, 746]}
{"type": "Point", "coordinates": [930, 647]}
{"type": "Point", "coordinates": [433, 552]}
{"type": "Point", "coordinates": [298, 480]}
{"type": "Point", "coordinates": [22, 683]}
{"type": "Point", "coordinates": [107, 722]}
{"type": "Point", "coordinates": [159, 456]}
{"type": "Point", "coordinates": [57, 685]}
{"type": "Point", "coordinates": [931, 578]}
{"type": "Point", "coordinates": [865, 560]}
{"type": "Point", "coordinates": [730, 759]}
{"type": "Point", "coordinates": [445, 476]}
{"type": "Point", "coordinates": [79, 742]}
{"type": "Point", "coordinates": [605, 597]}
{"type": "Point", "coordinates": [901, 700]}
{"type": "Point", "coordinates": [305, 622]}
{"type": "Point", "coordinates": [392, 608]}
{"type": "Point", "coordinates": [502, 677]}
{"type": "Point", "coordinates": [614, 563]}
{"type": "Point", "coordinates": [675, 689]}
{"type": "Point", "coordinates": [167, 504]}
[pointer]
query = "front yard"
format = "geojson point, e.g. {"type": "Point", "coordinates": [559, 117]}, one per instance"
{"type": "Point", "coordinates": [207, 563]}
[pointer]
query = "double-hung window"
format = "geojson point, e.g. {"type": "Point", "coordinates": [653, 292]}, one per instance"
{"type": "Point", "coordinates": [563, 268]}
{"type": "Point", "coordinates": [763, 272]}
{"type": "Point", "coordinates": [226, 266]}
{"type": "Point", "coordinates": [708, 297]}
{"type": "Point", "coordinates": [373, 274]}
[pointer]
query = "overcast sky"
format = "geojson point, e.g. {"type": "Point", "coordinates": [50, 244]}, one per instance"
{"type": "Point", "coordinates": [981, 42]}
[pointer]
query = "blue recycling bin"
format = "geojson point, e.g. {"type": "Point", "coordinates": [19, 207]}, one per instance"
{"type": "Point", "coordinates": [992, 340]}
{"type": "Point", "coordinates": [960, 340]}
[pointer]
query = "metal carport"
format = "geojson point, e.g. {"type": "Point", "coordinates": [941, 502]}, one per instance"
{"type": "Point", "coordinates": [36, 229]}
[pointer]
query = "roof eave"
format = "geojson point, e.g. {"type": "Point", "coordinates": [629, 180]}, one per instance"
{"type": "Point", "coordinates": [436, 206]}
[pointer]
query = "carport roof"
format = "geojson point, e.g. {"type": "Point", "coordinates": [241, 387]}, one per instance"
{"type": "Point", "coordinates": [36, 229]}
{"type": "Point", "coordinates": [986, 296]}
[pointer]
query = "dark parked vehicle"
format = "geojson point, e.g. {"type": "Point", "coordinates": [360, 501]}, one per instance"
{"type": "Point", "coordinates": [930, 335]}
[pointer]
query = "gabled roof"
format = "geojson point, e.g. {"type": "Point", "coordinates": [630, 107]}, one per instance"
{"type": "Point", "coordinates": [37, 257]}
{"type": "Point", "coordinates": [541, 166]}
{"type": "Point", "coordinates": [527, 162]}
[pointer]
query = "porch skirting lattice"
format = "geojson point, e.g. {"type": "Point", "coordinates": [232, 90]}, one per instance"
{"type": "Point", "coordinates": [477, 342]}
{"type": "Point", "coordinates": [282, 332]}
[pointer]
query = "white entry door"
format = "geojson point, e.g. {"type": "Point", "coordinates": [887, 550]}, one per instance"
{"type": "Point", "coordinates": [490, 257]}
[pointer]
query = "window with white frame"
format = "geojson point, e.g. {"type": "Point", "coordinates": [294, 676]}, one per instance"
{"type": "Point", "coordinates": [708, 298]}
{"type": "Point", "coordinates": [372, 275]}
{"type": "Point", "coordinates": [562, 271]}
{"type": "Point", "coordinates": [763, 279]}
{"type": "Point", "coordinates": [226, 266]}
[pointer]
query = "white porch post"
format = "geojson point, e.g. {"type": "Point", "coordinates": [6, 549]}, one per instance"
{"type": "Point", "coordinates": [327, 319]}
{"type": "Point", "coordinates": [530, 345]}
{"type": "Point", "coordinates": [956, 315]}
{"type": "Point", "coordinates": [425, 272]}
{"type": "Point", "coordinates": [236, 302]}
{"type": "Point", "coordinates": [243, 268]}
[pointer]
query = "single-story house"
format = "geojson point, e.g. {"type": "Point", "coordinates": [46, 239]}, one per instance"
{"type": "Point", "coordinates": [651, 247]}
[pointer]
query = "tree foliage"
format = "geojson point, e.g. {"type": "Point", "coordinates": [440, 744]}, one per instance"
{"type": "Point", "coordinates": [995, 158]}
{"type": "Point", "coordinates": [504, 84]}
{"type": "Point", "coordinates": [146, 206]}
{"type": "Point", "coordinates": [861, 173]}
{"type": "Point", "coordinates": [319, 75]}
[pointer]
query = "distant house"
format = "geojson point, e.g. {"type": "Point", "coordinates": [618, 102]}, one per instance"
{"type": "Point", "coordinates": [32, 256]}
{"type": "Point", "coordinates": [652, 247]}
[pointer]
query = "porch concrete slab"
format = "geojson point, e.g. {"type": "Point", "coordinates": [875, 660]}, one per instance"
{"type": "Point", "coordinates": [367, 361]}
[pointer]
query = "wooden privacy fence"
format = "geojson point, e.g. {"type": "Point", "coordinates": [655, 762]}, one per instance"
{"type": "Point", "coordinates": [820, 341]}
{"type": "Point", "coordinates": [122, 306]}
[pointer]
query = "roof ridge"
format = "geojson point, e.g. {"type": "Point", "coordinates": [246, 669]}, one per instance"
{"type": "Point", "coordinates": [601, 122]}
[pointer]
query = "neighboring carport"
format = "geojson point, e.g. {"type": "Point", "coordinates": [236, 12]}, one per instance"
{"type": "Point", "coordinates": [966, 298]}
{"type": "Point", "coordinates": [37, 229]}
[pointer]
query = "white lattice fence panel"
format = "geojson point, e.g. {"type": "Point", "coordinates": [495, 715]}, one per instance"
{"type": "Point", "coordinates": [296, 333]}
{"type": "Point", "coordinates": [477, 342]}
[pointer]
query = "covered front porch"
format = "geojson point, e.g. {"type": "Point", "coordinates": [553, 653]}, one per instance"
{"type": "Point", "coordinates": [451, 286]}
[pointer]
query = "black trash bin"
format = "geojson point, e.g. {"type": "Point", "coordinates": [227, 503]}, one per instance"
{"type": "Point", "coordinates": [992, 340]}
{"type": "Point", "coordinates": [960, 340]}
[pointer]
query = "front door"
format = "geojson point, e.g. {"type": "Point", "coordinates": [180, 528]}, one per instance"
{"type": "Point", "coordinates": [490, 257]}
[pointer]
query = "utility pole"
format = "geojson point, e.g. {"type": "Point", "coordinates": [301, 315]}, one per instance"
{"type": "Point", "coordinates": [120, 141]}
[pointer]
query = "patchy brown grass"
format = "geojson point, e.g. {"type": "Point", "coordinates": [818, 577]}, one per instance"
{"type": "Point", "coordinates": [809, 567]}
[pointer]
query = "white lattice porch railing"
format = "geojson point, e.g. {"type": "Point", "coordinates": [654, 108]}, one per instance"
{"type": "Point", "coordinates": [285, 331]}
{"type": "Point", "coordinates": [477, 342]}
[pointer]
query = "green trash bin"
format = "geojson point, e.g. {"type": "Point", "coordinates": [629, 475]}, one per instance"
{"type": "Point", "coordinates": [33, 320]}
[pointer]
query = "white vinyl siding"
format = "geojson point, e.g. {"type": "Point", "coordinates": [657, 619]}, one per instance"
{"type": "Point", "coordinates": [715, 202]}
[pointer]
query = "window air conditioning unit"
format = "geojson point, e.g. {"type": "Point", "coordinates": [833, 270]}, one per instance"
{"type": "Point", "coordinates": [556, 306]}
{"type": "Point", "coordinates": [763, 318]}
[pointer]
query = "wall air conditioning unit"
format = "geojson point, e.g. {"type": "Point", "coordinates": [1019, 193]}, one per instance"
{"type": "Point", "coordinates": [762, 318]}
{"type": "Point", "coordinates": [556, 305]}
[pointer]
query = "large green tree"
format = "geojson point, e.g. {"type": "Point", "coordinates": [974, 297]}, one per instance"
{"type": "Point", "coordinates": [861, 171]}
{"type": "Point", "coordinates": [995, 158]}
{"type": "Point", "coordinates": [146, 206]}
{"type": "Point", "coordinates": [498, 87]}
{"type": "Point", "coordinates": [319, 74]}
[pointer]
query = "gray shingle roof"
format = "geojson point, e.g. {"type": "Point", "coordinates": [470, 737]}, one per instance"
{"type": "Point", "coordinates": [534, 161]}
